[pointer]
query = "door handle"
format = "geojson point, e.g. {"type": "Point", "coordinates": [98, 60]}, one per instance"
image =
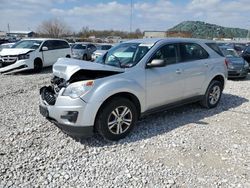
{"type": "Point", "coordinates": [178, 71]}
{"type": "Point", "coordinates": [206, 64]}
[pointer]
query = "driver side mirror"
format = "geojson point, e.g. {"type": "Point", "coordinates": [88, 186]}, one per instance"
{"type": "Point", "coordinates": [156, 63]}
{"type": "Point", "coordinates": [45, 48]}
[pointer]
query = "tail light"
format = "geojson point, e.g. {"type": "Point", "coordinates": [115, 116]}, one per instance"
{"type": "Point", "coordinates": [226, 63]}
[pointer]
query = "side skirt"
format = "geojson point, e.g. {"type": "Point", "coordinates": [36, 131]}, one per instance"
{"type": "Point", "coordinates": [171, 105]}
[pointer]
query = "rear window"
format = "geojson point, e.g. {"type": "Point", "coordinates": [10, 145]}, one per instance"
{"type": "Point", "coordinates": [79, 47]}
{"type": "Point", "coordinates": [215, 48]}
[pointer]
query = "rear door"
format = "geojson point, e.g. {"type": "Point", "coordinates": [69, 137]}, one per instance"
{"type": "Point", "coordinates": [165, 84]}
{"type": "Point", "coordinates": [195, 65]}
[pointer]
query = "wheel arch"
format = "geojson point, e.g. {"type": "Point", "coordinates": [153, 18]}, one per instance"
{"type": "Point", "coordinates": [219, 78]}
{"type": "Point", "coordinates": [126, 95]}
{"type": "Point", "coordinates": [38, 59]}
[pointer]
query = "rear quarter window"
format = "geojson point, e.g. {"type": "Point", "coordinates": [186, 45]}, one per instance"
{"type": "Point", "coordinates": [215, 48]}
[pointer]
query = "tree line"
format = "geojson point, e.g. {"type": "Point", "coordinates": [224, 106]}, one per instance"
{"type": "Point", "coordinates": [55, 28]}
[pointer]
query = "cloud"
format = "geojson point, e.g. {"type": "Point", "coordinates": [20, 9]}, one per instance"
{"type": "Point", "coordinates": [147, 15]}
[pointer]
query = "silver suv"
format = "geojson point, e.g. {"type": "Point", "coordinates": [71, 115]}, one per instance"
{"type": "Point", "coordinates": [131, 80]}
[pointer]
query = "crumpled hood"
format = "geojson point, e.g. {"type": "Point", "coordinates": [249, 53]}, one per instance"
{"type": "Point", "coordinates": [66, 67]}
{"type": "Point", "coordinates": [14, 51]}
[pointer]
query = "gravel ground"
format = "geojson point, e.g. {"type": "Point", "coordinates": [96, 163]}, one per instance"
{"type": "Point", "coordinates": [184, 147]}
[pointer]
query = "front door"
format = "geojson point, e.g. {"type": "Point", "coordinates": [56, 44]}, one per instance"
{"type": "Point", "coordinates": [50, 55]}
{"type": "Point", "coordinates": [164, 84]}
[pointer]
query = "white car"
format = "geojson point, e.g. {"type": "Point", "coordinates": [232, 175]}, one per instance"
{"type": "Point", "coordinates": [100, 50]}
{"type": "Point", "coordinates": [6, 45]}
{"type": "Point", "coordinates": [33, 54]}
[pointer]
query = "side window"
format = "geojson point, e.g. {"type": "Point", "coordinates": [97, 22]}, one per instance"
{"type": "Point", "coordinates": [192, 51]}
{"type": "Point", "coordinates": [215, 48]}
{"type": "Point", "coordinates": [168, 53]}
{"type": "Point", "coordinates": [92, 47]}
{"type": "Point", "coordinates": [48, 44]}
{"type": "Point", "coordinates": [62, 44]}
{"type": "Point", "coordinates": [56, 44]}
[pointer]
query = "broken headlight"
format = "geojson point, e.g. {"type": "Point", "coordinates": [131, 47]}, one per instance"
{"type": "Point", "coordinates": [24, 56]}
{"type": "Point", "coordinates": [77, 89]}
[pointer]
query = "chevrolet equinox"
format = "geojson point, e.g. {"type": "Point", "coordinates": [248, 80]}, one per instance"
{"type": "Point", "coordinates": [131, 80]}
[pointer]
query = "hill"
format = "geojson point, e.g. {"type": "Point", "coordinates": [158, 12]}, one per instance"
{"type": "Point", "coordinates": [198, 29]}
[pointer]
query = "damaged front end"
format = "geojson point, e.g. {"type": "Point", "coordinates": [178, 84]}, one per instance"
{"type": "Point", "coordinates": [68, 71]}
{"type": "Point", "coordinates": [61, 101]}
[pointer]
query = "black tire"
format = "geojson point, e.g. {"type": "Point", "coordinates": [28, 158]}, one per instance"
{"type": "Point", "coordinates": [85, 58]}
{"type": "Point", "coordinates": [118, 128]}
{"type": "Point", "coordinates": [212, 95]}
{"type": "Point", "coordinates": [38, 65]}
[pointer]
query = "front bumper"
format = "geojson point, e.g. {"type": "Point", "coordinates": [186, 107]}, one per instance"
{"type": "Point", "coordinates": [238, 73]}
{"type": "Point", "coordinates": [73, 116]}
{"type": "Point", "coordinates": [77, 56]}
{"type": "Point", "coordinates": [18, 66]}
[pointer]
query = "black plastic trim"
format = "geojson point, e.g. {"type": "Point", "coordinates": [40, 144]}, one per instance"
{"type": "Point", "coordinates": [171, 105]}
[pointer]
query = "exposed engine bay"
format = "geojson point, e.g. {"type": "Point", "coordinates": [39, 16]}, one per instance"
{"type": "Point", "coordinates": [50, 93]}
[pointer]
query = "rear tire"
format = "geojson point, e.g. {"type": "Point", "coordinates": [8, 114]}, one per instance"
{"type": "Point", "coordinates": [116, 119]}
{"type": "Point", "coordinates": [38, 65]}
{"type": "Point", "coordinates": [212, 95]}
{"type": "Point", "coordinates": [85, 58]}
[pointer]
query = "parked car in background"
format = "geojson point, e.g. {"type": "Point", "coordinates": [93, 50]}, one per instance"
{"type": "Point", "coordinates": [6, 45]}
{"type": "Point", "coordinates": [33, 54]}
{"type": "Point", "coordinates": [83, 51]}
{"type": "Point", "coordinates": [238, 47]}
{"type": "Point", "coordinates": [246, 54]}
{"type": "Point", "coordinates": [237, 66]}
{"type": "Point", "coordinates": [72, 45]}
{"type": "Point", "coordinates": [134, 79]}
{"type": "Point", "coordinates": [100, 50]}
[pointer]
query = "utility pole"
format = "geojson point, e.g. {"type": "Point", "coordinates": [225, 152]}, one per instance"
{"type": "Point", "coordinates": [131, 15]}
{"type": "Point", "coordinates": [248, 34]}
{"type": "Point", "coordinates": [8, 28]}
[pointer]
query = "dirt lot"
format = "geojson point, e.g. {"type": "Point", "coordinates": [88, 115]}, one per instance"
{"type": "Point", "coordinates": [185, 147]}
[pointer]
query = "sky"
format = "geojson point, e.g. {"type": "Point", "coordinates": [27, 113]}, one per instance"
{"type": "Point", "coordinates": [157, 15]}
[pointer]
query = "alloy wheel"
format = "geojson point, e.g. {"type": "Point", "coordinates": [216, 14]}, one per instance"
{"type": "Point", "coordinates": [120, 120]}
{"type": "Point", "coordinates": [214, 95]}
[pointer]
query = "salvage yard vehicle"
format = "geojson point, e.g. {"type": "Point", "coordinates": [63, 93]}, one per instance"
{"type": "Point", "coordinates": [134, 79]}
{"type": "Point", "coordinates": [83, 51]}
{"type": "Point", "coordinates": [246, 54]}
{"type": "Point", "coordinates": [33, 54]}
{"type": "Point", "coordinates": [237, 66]}
{"type": "Point", "coordinates": [100, 50]}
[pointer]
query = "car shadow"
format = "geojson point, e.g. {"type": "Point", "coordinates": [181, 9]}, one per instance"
{"type": "Point", "coordinates": [45, 70]}
{"type": "Point", "coordinates": [163, 122]}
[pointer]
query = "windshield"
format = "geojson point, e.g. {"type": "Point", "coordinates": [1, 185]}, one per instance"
{"type": "Point", "coordinates": [229, 52]}
{"type": "Point", "coordinates": [125, 55]}
{"type": "Point", "coordinates": [103, 47]}
{"type": "Point", "coordinates": [30, 44]}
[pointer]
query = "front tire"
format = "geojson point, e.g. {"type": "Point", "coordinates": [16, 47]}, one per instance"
{"type": "Point", "coordinates": [38, 65]}
{"type": "Point", "coordinates": [213, 94]}
{"type": "Point", "coordinates": [116, 119]}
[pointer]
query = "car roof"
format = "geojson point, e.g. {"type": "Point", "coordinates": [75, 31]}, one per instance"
{"type": "Point", "coordinates": [42, 39]}
{"type": "Point", "coordinates": [155, 40]}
